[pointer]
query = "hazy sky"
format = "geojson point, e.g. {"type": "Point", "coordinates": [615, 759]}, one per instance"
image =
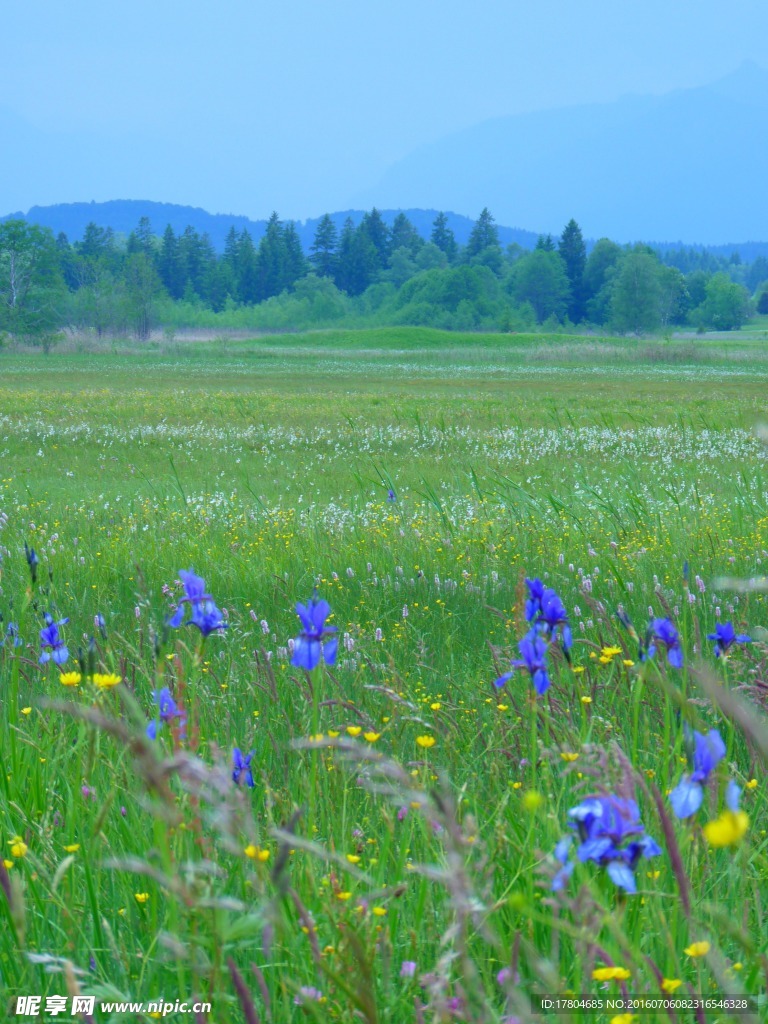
{"type": "Point", "coordinates": [297, 105]}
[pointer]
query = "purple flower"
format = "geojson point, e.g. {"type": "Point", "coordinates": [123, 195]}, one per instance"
{"type": "Point", "coordinates": [604, 824]}
{"type": "Point", "coordinates": [565, 871]}
{"type": "Point", "coordinates": [309, 645]}
{"type": "Point", "coordinates": [407, 968]}
{"type": "Point", "coordinates": [725, 636]}
{"type": "Point", "coordinates": [307, 994]}
{"type": "Point", "coordinates": [704, 753]}
{"type": "Point", "coordinates": [50, 638]}
{"type": "Point", "coordinates": [12, 632]}
{"type": "Point", "coordinates": [664, 632]}
{"type": "Point", "coordinates": [241, 768]}
{"type": "Point", "coordinates": [534, 658]}
{"type": "Point", "coordinates": [391, 496]}
{"type": "Point", "coordinates": [32, 561]}
{"type": "Point", "coordinates": [205, 615]}
{"type": "Point", "coordinates": [547, 612]}
{"type": "Point", "coordinates": [167, 711]}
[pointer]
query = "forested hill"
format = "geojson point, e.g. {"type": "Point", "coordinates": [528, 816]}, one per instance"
{"type": "Point", "coordinates": [122, 216]}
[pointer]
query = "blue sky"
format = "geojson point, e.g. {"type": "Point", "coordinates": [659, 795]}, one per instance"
{"type": "Point", "coordinates": [245, 106]}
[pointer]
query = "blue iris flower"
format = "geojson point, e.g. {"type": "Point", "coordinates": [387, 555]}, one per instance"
{"type": "Point", "coordinates": [32, 560]}
{"type": "Point", "coordinates": [547, 612]}
{"type": "Point", "coordinates": [167, 710]}
{"type": "Point", "coordinates": [565, 871]}
{"type": "Point", "coordinates": [664, 633]}
{"type": "Point", "coordinates": [50, 638]}
{"type": "Point", "coordinates": [205, 615]}
{"type": "Point", "coordinates": [604, 824]}
{"type": "Point", "coordinates": [391, 496]}
{"type": "Point", "coordinates": [533, 604]}
{"type": "Point", "coordinates": [534, 659]}
{"type": "Point", "coordinates": [12, 632]}
{"type": "Point", "coordinates": [704, 753]}
{"type": "Point", "coordinates": [310, 644]}
{"type": "Point", "coordinates": [241, 768]}
{"type": "Point", "coordinates": [725, 636]}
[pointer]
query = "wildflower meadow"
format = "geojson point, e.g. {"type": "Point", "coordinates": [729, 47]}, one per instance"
{"type": "Point", "coordinates": [385, 677]}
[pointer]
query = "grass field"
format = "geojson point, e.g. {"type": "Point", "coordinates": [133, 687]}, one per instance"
{"type": "Point", "coordinates": [393, 861]}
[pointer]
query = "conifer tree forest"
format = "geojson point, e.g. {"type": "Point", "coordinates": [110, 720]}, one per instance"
{"type": "Point", "coordinates": [365, 274]}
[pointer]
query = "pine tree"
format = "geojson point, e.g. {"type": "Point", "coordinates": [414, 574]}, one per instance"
{"type": "Point", "coordinates": [169, 265]}
{"type": "Point", "coordinates": [484, 234]}
{"type": "Point", "coordinates": [377, 232]}
{"type": "Point", "coordinates": [295, 260]}
{"type": "Point", "coordinates": [443, 237]}
{"type": "Point", "coordinates": [574, 255]}
{"type": "Point", "coordinates": [323, 255]}
{"type": "Point", "coordinates": [405, 236]}
{"type": "Point", "coordinates": [545, 243]}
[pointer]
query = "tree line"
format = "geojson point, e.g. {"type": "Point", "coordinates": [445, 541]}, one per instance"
{"type": "Point", "coordinates": [369, 273]}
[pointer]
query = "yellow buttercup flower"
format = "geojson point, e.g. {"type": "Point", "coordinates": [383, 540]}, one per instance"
{"type": "Point", "coordinates": [343, 896]}
{"type": "Point", "coordinates": [610, 974]}
{"type": "Point", "coordinates": [752, 784]}
{"type": "Point", "coordinates": [727, 830]}
{"type": "Point", "coordinates": [353, 858]}
{"type": "Point", "coordinates": [26, 711]}
{"type": "Point", "coordinates": [698, 948]}
{"type": "Point", "coordinates": [380, 911]}
{"type": "Point", "coordinates": [73, 848]}
{"type": "Point", "coordinates": [671, 984]}
{"type": "Point", "coordinates": [623, 1018]}
{"type": "Point", "coordinates": [256, 853]}
{"type": "Point", "coordinates": [371, 737]}
{"type": "Point", "coordinates": [141, 897]}
{"type": "Point", "coordinates": [586, 700]}
{"type": "Point", "coordinates": [8, 864]}
{"type": "Point", "coordinates": [18, 847]}
{"type": "Point", "coordinates": [354, 730]}
{"type": "Point", "coordinates": [105, 681]}
{"type": "Point", "coordinates": [568, 756]}
{"type": "Point", "coordinates": [426, 741]}
{"type": "Point", "coordinates": [70, 678]}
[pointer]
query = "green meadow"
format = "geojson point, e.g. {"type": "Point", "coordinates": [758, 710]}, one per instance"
{"type": "Point", "coordinates": [393, 861]}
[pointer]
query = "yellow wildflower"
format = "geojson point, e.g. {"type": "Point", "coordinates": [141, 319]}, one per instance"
{"type": "Point", "coordinates": [73, 848]}
{"type": "Point", "coordinates": [70, 678]}
{"type": "Point", "coordinates": [343, 895]}
{"type": "Point", "coordinates": [380, 911]}
{"type": "Point", "coordinates": [26, 711]}
{"type": "Point", "coordinates": [623, 1018]}
{"type": "Point", "coordinates": [586, 700]}
{"type": "Point", "coordinates": [353, 858]}
{"type": "Point", "coordinates": [18, 847]}
{"type": "Point", "coordinates": [727, 830]}
{"type": "Point", "coordinates": [752, 784]}
{"type": "Point", "coordinates": [671, 985]}
{"type": "Point", "coordinates": [105, 681]}
{"type": "Point", "coordinates": [141, 897]}
{"type": "Point", "coordinates": [568, 756]}
{"type": "Point", "coordinates": [371, 737]}
{"type": "Point", "coordinates": [698, 949]}
{"type": "Point", "coordinates": [426, 741]}
{"type": "Point", "coordinates": [610, 974]}
{"type": "Point", "coordinates": [354, 730]}
{"type": "Point", "coordinates": [436, 706]}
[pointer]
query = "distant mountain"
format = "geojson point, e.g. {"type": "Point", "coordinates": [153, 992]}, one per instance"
{"type": "Point", "coordinates": [122, 215]}
{"type": "Point", "coordinates": [690, 164]}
